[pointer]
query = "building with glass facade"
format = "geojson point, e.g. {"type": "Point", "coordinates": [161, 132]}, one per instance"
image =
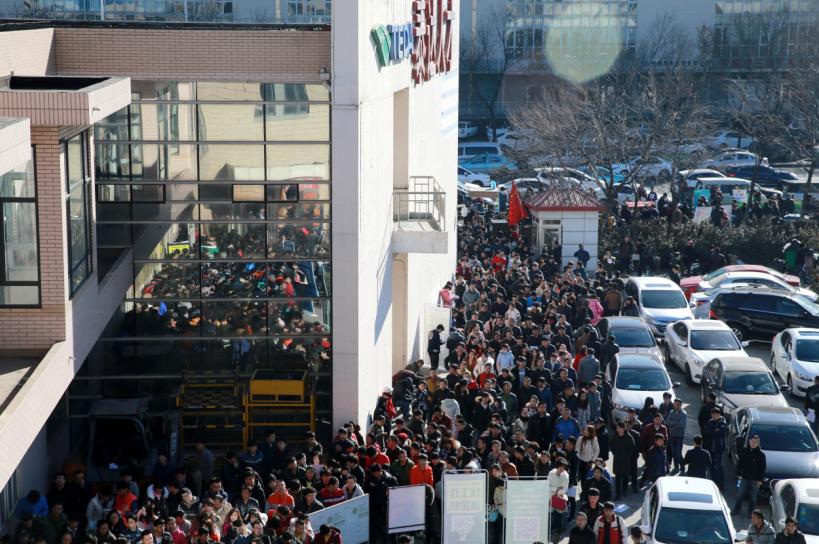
{"type": "Point", "coordinates": [213, 231]}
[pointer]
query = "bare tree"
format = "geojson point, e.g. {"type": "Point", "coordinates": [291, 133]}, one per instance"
{"type": "Point", "coordinates": [486, 59]}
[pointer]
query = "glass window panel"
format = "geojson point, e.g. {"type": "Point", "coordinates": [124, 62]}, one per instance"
{"type": "Point", "coordinates": [235, 318]}
{"type": "Point", "coordinates": [149, 193]}
{"type": "Point", "coordinates": [232, 241]}
{"type": "Point", "coordinates": [300, 317]}
{"type": "Point", "coordinates": [112, 161]}
{"type": "Point", "coordinates": [175, 241]}
{"type": "Point", "coordinates": [166, 280]}
{"type": "Point", "coordinates": [78, 274]}
{"type": "Point", "coordinates": [74, 159]}
{"type": "Point", "coordinates": [113, 127]}
{"type": "Point", "coordinates": [77, 224]}
{"type": "Point", "coordinates": [181, 191]}
{"type": "Point", "coordinates": [19, 182]}
{"type": "Point", "coordinates": [216, 191]}
{"type": "Point", "coordinates": [248, 193]}
{"type": "Point", "coordinates": [231, 162]}
{"type": "Point", "coordinates": [113, 211]}
{"type": "Point", "coordinates": [224, 91]}
{"type": "Point", "coordinates": [114, 236]}
{"type": "Point", "coordinates": [304, 162]}
{"type": "Point", "coordinates": [297, 122]}
{"type": "Point", "coordinates": [301, 279]}
{"type": "Point", "coordinates": [163, 121]}
{"type": "Point", "coordinates": [164, 212]}
{"type": "Point", "coordinates": [231, 122]}
{"type": "Point", "coordinates": [164, 162]}
{"type": "Point", "coordinates": [300, 210]}
{"type": "Point", "coordinates": [295, 92]}
{"type": "Point", "coordinates": [20, 241]}
{"type": "Point", "coordinates": [299, 240]}
{"type": "Point", "coordinates": [162, 90]}
{"type": "Point", "coordinates": [302, 191]}
{"type": "Point", "coordinates": [113, 193]}
{"type": "Point", "coordinates": [162, 318]}
{"type": "Point", "coordinates": [19, 295]}
{"type": "Point", "coordinates": [234, 280]}
{"type": "Point", "coordinates": [316, 351]}
{"type": "Point", "coordinates": [210, 211]}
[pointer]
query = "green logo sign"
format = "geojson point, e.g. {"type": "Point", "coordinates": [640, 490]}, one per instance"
{"type": "Point", "coordinates": [383, 44]}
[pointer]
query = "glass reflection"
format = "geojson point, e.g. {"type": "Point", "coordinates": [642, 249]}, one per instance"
{"type": "Point", "coordinates": [234, 280]}
{"type": "Point", "coordinates": [299, 279]}
{"type": "Point", "coordinates": [299, 240]}
{"type": "Point", "coordinates": [232, 241]}
{"type": "Point", "coordinates": [166, 280]}
{"type": "Point", "coordinates": [235, 318]}
{"type": "Point", "coordinates": [161, 318]}
{"type": "Point", "coordinates": [300, 317]}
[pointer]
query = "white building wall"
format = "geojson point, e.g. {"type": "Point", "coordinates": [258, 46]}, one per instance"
{"type": "Point", "coordinates": [363, 95]}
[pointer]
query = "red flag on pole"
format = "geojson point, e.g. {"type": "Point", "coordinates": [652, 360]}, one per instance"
{"type": "Point", "coordinates": [516, 210]}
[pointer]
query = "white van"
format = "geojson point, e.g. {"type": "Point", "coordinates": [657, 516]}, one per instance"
{"type": "Point", "coordinates": [660, 301]}
{"type": "Point", "coordinates": [472, 149]}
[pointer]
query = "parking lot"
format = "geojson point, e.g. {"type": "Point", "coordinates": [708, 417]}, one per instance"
{"type": "Point", "coordinates": [690, 396]}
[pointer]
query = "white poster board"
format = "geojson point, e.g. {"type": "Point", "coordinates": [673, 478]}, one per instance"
{"type": "Point", "coordinates": [406, 508]}
{"type": "Point", "coordinates": [351, 517]}
{"type": "Point", "coordinates": [527, 519]}
{"type": "Point", "coordinates": [464, 512]}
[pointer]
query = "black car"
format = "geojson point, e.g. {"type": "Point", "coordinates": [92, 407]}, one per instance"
{"type": "Point", "coordinates": [763, 313]}
{"type": "Point", "coordinates": [764, 175]}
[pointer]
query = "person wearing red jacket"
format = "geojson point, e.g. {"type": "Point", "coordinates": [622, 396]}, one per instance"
{"type": "Point", "coordinates": [422, 472]}
{"type": "Point", "coordinates": [328, 535]}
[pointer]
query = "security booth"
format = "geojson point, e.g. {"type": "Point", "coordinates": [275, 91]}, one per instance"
{"type": "Point", "coordinates": [568, 214]}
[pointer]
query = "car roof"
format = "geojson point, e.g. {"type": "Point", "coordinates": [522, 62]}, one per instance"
{"type": "Point", "coordinates": [762, 290]}
{"type": "Point", "coordinates": [705, 325]}
{"type": "Point", "coordinates": [743, 363]}
{"type": "Point", "coordinates": [775, 414]}
{"type": "Point", "coordinates": [653, 281]}
{"type": "Point", "coordinates": [807, 489]}
{"type": "Point", "coordinates": [674, 490]}
{"type": "Point", "coordinates": [804, 332]}
{"type": "Point", "coordinates": [747, 274]}
{"type": "Point", "coordinates": [626, 322]}
{"type": "Point", "coordinates": [638, 360]}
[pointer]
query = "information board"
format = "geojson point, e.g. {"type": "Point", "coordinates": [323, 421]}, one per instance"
{"type": "Point", "coordinates": [351, 517]}
{"type": "Point", "coordinates": [527, 520]}
{"type": "Point", "coordinates": [407, 508]}
{"type": "Point", "coordinates": [464, 515]}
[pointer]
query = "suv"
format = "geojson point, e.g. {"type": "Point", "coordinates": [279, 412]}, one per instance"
{"type": "Point", "coordinates": [756, 313]}
{"type": "Point", "coordinates": [660, 300]}
{"type": "Point", "coordinates": [631, 333]}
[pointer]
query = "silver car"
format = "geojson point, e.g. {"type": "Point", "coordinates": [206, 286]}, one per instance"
{"type": "Point", "coordinates": [741, 381]}
{"type": "Point", "coordinates": [791, 449]}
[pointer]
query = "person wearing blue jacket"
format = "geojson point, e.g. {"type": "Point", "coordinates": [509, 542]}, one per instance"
{"type": "Point", "coordinates": [566, 426]}
{"type": "Point", "coordinates": [32, 504]}
{"type": "Point", "coordinates": [656, 459]}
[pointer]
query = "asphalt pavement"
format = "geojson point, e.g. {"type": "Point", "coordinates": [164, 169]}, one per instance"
{"type": "Point", "coordinates": [690, 396]}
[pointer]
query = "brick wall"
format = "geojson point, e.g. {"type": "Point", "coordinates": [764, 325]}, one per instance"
{"type": "Point", "coordinates": [221, 54]}
{"type": "Point", "coordinates": [27, 52]}
{"type": "Point", "coordinates": [40, 328]}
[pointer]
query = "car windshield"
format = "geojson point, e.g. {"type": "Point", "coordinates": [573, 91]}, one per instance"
{"type": "Point", "coordinates": [715, 273]}
{"type": "Point", "coordinates": [680, 526]}
{"type": "Point", "coordinates": [812, 307]}
{"type": "Point", "coordinates": [807, 350]}
{"type": "Point", "coordinates": [642, 379]}
{"type": "Point", "coordinates": [633, 338]}
{"type": "Point", "coordinates": [663, 298]}
{"type": "Point", "coordinates": [808, 518]}
{"type": "Point", "coordinates": [714, 340]}
{"type": "Point", "coordinates": [749, 383]}
{"type": "Point", "coordinates": [794, 438]}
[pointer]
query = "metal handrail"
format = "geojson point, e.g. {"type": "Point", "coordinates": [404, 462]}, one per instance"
{"type": "Point", "coordinates": [422, 202]}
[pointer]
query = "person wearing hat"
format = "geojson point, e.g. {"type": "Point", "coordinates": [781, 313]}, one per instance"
{"type": "Point", "coordinates": [750, 473]}
{"type": "Point", "coordinates": [592, 506]}
{"type": "Point", "coordinates": [611, 528]}
{"type": "Point", "coordinates": [714, 435]}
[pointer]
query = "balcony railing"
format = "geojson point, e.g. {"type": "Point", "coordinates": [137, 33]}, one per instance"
{"type": "Point", "coordinates": [420, 207]}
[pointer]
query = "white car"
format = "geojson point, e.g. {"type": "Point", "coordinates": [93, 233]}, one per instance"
{"type": "Point", "coordinates": [691, 343]}
{"type": "Point", "coordinates": [466, 130]}
{"type": "Point", "coordinates": [498, 132]}
{"type": "Point", "coordinates": [513, 140]}
{"type": "Point", "coordinates": [526, 186]}
{"type": "Point", "coordinates": [729, 138]}
{"type": "Point", "coordinates": [799, 499]}
{"type": "Point", "coordinates": [684, 146]}
{"type": "Point", "coordinates": [686, 510]}
{"type": "Point", "coordinates": [652, 166]}
{"type": "Point", "coordinates": [659, 300]}
{"type": "Point", "coordinates": [692, 176]}
{"type": "Point", "coordinates": [551, 174]}
{"type": "Point", "coordinates": [795, 358]}
{"type": "Point", "coordinates": [728, 159]}
{"type": "Point", "coordinates": [756, 278]}
{"type": "Point", "coordinates": [636, 378]}
{"type": "Point", "coordinates": [468, 176]}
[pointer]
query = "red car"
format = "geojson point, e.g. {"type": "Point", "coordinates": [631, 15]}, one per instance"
{"type": "Point", "coordinates": [690, 285]}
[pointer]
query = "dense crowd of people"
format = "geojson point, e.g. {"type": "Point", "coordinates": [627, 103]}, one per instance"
{"type": "Point", "coordinates": [522, 392]}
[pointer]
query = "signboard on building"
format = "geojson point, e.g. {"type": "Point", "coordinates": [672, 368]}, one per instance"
{"type": "Point", "coordinates": [527, 520]}
{"type": "Point", "coordinates": [426, 40]}
{"type": "Point", "coordinates": [351, 517]}
{"type": "Point", "coordinates": [464, 515]}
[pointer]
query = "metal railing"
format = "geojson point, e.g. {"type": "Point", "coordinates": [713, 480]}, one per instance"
{"type": "Point", "coordinates": [421, 205]}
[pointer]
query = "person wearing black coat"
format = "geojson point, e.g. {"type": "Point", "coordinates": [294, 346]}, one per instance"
{"type": "Point", "coordinates": [582, 533]}
{"type": "Point", "coordinates": [434, 344]}
{"type": "Point", "coordinates": [697, 460]}
{"type": "Point", "coordinates": [624, 450]}
{"type": "Point", "coordinates": [540, 428]}
{"type": "Point", "coordinates": [377, 487]}
{"type": "Point", "coordinates": [603, 438]}
{"type": "Point", "coordinates": [705, 411]}
{"type": "Point", "coordinates": [751, 468]}
{"type": "Point", "coordinates": [598, 482]}
{"type": "Point", "coordinates": [790, 534]}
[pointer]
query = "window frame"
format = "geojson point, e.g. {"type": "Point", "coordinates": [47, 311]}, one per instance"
{"type": "Point", "coordinates": [33, 200]}
{"type": "Point", "coordinates": [85, 184]}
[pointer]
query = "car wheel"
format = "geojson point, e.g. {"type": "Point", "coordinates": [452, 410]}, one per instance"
{"type": "Point", "coordinates": [790, 385]}
{"type": "Point", "coordinates": [739, 331]}
{"type": "Point", "coordinates": [689, 379]}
